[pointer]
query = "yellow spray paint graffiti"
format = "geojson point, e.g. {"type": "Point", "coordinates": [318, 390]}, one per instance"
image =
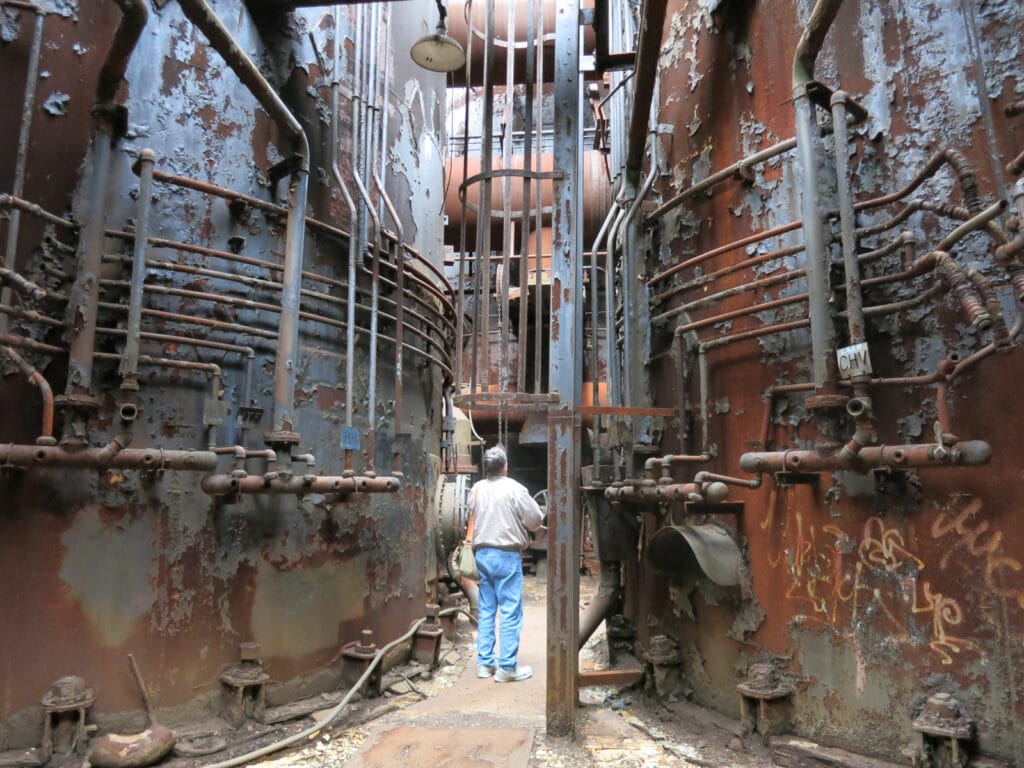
{"type": "Point", "coordinates": [841, 578]}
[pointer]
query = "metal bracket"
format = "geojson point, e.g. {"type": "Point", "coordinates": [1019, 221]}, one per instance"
{"type": "Point", "coordinates": [787, 479]}
{"type": "Point", "coordinates": [248, 417]}
{"type": "Point", "coordinates": [821, 96]}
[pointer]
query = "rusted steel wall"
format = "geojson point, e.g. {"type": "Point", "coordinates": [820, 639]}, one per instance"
{"type": "Point", "coordinates": [868, 596]}
{"type": "Point", "coordinates": [96, 564]}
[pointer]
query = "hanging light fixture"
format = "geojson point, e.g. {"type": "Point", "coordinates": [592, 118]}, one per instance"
{"type": "Point", "coordinates": [439, 52]}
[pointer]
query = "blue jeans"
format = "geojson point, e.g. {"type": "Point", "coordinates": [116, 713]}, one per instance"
{"type": "Point", "coordinates": [501, 589]}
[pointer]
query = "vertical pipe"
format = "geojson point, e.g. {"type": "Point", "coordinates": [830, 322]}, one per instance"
{"type": "Point", "coordinates": [847, 219]}
{"type": "Point", "coordinates": [129, 367]}
{"type": "Point", "coordinates": [524, 233]}
{"type": "Point", "coordinates": [353, 251]}
{"type": "Point", "coordinates": [371, 407]}
{"type": "Point", "coordinates": [538, 290]}
{"type": "Point", "coordinates": [595, 355]}
{"type": "Point", "coordinates": [705, 385]}
{"type": "Point", "coordinates": [399, 316]}
{"type": "Point", "coordinates": [460, 306]}
{"type": "Point", "coordinates": [206, 20]}
{"type": "Point", "coordinates": [484, 215]}
{"type": "Point", "coordinates": [564, 377]}
{"type": "Point", "coordinates": [21, 157]}
{"type": "Point", "coordinates": [611, 334]}
{"type": "Point", "coordinates": [506, 212]}
{"type": "Point", "coordinates": [822, 333]}
{"type": "Point", "coordinates": [82, 309]}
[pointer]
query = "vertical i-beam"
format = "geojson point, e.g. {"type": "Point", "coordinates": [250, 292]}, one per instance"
{"type": "Point", "coordinates": [565, 378]}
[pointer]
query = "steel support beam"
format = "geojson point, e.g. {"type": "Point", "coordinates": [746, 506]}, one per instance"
{"type": "Point", "coordinates": [565, 378]}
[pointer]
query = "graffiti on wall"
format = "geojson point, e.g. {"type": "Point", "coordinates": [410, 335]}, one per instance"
{"type": "Point", "coordinates": [843, 580]}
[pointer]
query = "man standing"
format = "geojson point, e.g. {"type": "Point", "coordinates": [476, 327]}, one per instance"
{"type": "Point", "coordinates": [505, 512]}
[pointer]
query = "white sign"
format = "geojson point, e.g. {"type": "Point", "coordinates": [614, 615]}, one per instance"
{"type": "Point", "coordinates": [854, 360]}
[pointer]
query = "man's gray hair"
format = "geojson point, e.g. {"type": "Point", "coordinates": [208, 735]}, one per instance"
{"type": "Point", "coordinates": [495, 460]}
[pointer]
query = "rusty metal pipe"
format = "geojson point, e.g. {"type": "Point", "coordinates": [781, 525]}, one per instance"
{"type": "Point", "coordinates": [718, 251]}
{"type": "Point", "coordinates": [965, 453]}
{"type": "Point", "coordinates": [953, 276]}
{"type": "Point", "coordinates": [594, 309]}
{"type": "Point", "coordinates": [103, 458]}
{"type": "Point", "coordinates": [129, 367]}
{"type": "Point", "coordinates": [980, 220]}
{"type": "Point", "coordinates": [709, 478]}
{"type": "Point", "coordinates": [255, 282]}
{"type": "Point", "coordinates": [1009, 253]}
{"type": "Point", "coordinates": [961, 168]}
{"type": "Point", "coordinates": [1016, 166]}
{"type": "Point", "coordinates": [652, 25]}
{"type": "Point", "coordinates": [22, 284]}
{"type": "Point", "coordinates": [399, 318]}
{"type": "Point", "coordinates": [134, 15]}
{"type": "Point", "coordinates": [819, 292]}
{"type": "Point", "coordinates": [947, 210]}
{"type": "Point", "coordinates": [228, 485]}
{"type": "Point", "coordinates": [211, 369]}
{"type": "Point", "coordinates": [767, 330]}
{"type": "Point", "coordinates": [444, 365]}
{"type": "Point", "coordinates": [606, 603]}
{"type": "Point", "coordinates": [315, 225]}
{"type": "Point", "coordinates": [21, 342]}
{"type": "Point", "coordinates": [711, 493]}
{"type": "Point", "coordinates": [353, 256]}
{"type": "Point", "coordinates": [32, 209]}
{"type": "Point", "coordinates": [34, 376]}
{"type": "Point", "coordinates": [31, 316]}
{"type": "Point", "coordinates": [739, 266]}
{"type": "Point", "coordinates": [21, 156]}
{"type": "Point", "coordinates": [730, 171]}
{"type": "Point", "coordinates": [286, 363]}
{"type": "Point", "coordinates": [371, 433]}
{"type": "Point", "coordinates": [811, 41]}
{"type": "Point", "coordinates": [663, 463]}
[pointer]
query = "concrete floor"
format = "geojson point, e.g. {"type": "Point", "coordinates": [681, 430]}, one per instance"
{"type": "Point", "coordinates": [463, 722]}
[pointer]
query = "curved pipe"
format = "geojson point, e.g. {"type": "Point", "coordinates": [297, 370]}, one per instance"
{"type": "Point", "coordinates": [811, 40]}
{"type": "Point", "coordinates": [134, 15]}
{"type": "Point", "coordinates": [40, 381]}
{"type": "Point", "coordinates": [229, 485]}
{"type": "Point", "coordinates": [648, 51]}
{"type": "Point", "coordinates": [286, 363]}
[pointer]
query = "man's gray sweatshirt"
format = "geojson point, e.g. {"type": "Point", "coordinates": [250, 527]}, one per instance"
{"type": "Point", "coordinates": [504, 513]}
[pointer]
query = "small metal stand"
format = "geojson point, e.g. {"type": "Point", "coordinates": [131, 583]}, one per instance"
{"type": "Point", "coordinates": [65, 707]}
{"type": "Point", "coordinates": [426, 645]}
{"type": "Point", "coordinates": [245, 696]}
{"type": "Point", "coordinates": [356, 659]}
{"type": "Point", "coordinates": [942, 726]}
{"type": "Point", "coordinates": [664, 663]}
{"type": "Point", "coordinates": [761, 695]}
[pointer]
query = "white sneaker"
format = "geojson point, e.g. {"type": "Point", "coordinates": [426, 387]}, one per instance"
{"type": "Point", "coordinates": [483, 671]}
{"type": "Point", "coordinates": [513, 675]}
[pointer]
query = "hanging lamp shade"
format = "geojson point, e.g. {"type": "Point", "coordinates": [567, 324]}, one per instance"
{"type": "Point", "coordinates": [439, 52]}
